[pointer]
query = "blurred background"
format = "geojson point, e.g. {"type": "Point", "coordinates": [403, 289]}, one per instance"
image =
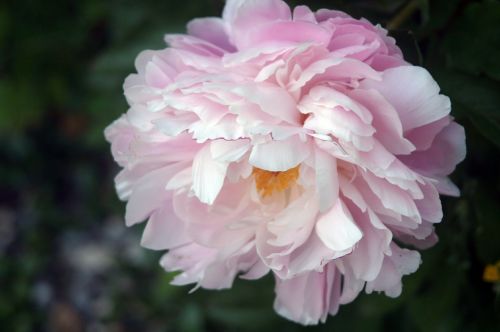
{"type": "Point", "coordinates": [67, 262]}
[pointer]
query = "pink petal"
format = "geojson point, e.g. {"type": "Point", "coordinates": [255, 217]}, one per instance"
{"type": "Point", "coordinates": [400, 263]}
{"type": "Point", "coordinates": [447, 150]}
{"type": "Point", "coordinates": [336, 228]}
{"type": "Point", "coordinates": [414, 94]}
{"type": "Point", "coordinates": [392, 197]}
{"type": "Point", "coordinates": [366, 259]}
{"type": "Point", "coordinates": [385, 120]}
{"type": "Point", "coordinates": [327, 181]}
{"type": "Point", "coordinates": [279, 156]}
{"type": "Point", "coordinates": [208, 176]}
{"type": "Point", "coordinates": [271, 99]}
{"type": "Point", "coordinates": [306, 299]}
{"type": "Point", "coordinates": [211, 29]}
{"type": "Point", "coordinates": [422, 137]}
{"type": "Point", "coordinates": [430, 205]}
{"type": "Point", "coordinates": [149, 193]}
{"type": "Point", "coordinates": [244, 15]}
{"type": "Point", "coordinates": [164, 230]}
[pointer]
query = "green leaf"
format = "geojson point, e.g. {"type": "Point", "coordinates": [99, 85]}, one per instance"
{"type": "Point", "coordinates": [474, 97]}
{"type": "Point", "coordinates": [477, 93]}
{"type": "Point", "coordinates": [474, 42]}
{"type": "Point", "coordinates": [488, 228]}
{"type": "Point", "coordinates": [489, 128]}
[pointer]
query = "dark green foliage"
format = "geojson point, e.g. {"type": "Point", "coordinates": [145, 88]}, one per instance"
{"type": "Point", "coordinates": [62, 64]}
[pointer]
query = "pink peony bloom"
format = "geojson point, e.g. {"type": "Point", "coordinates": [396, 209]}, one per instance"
{"type": "Point", "coordinates": [294, 143]}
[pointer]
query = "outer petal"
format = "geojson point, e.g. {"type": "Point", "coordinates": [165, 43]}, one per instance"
{"type": "Point", "coordinates": [414, 94]}
{"type": "Point", "coordinates": [294, 32]}
{"type": "Point", "coordinates": [245, 15]}
{"type": "Point", "coordinates": [164, 230]}
{"type": "Point", "coordinates": [400, 263]}
{"type": "Point", "coordinates": [211, 29]}
{"type": "Point", "coordinates": [389, 130]}
{"type": "Point", "coordinates": [392, 197]}
{"type": "Point", "coordinates": [366, 259]}
{"type": "Point", "coordinates": [148, 193]}
{"type": "Point", "coordinates": [307, 299]}
{"type": "Point", "coordinates": [447, 150]}
{"type": "Point", "coordinates": [422, 137]}
{"type": "Point", "coordinates": [313, 255]}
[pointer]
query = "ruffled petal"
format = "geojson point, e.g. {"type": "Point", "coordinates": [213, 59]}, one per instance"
{"type": "Point", "coordinates": [413, 93]}
{"type": "Point", "coordinates": [279, 156]}
{"type": "Point", "coordinates": [307, 298]}
{"type": "Point", "coordinates": [337, 229]}
{"type": "Point", "coordinates": [208, 176]}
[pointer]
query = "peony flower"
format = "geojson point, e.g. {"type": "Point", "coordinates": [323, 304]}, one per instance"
{"type": "Point", "coordinates": [294, 143]}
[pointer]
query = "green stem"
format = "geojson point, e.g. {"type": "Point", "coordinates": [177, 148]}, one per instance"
{"type": "Point", "coordinates": [403, 15]}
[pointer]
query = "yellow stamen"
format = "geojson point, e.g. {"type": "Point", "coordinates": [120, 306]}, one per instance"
{"type": "Point", "coordinates": [492, 272]}
{"type": "Point", "coordinates": [268, 182]}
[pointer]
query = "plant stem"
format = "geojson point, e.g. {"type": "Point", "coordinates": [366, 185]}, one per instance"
{"type": "Point", "coordinates": [403, 15]}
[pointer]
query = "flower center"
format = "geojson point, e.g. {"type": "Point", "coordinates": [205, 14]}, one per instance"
{"type": "Point", "coordinates": [268, 182]}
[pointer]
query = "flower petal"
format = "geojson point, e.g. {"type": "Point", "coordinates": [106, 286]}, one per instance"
{"type": "Point", "coordinates": [414, 94]}
{"type": "Point", "coordinates": [327, 181]}
{"type": "Point", "coordinates": [279, 156]}
{"type": "Point", "coordinates": [211, 29]}
{"type": "Point", "coordinates": [306, 298]}
{"type": "Point", "coordinates": [337, 229]}
{"type": "Point", "coordinates": [208, 176]}
{"type": "Point", "coordinates": [149, 193]}
{"type": "Point", "coordinates": [164, 230]}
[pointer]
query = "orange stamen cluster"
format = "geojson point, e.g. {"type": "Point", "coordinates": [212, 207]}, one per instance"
{"type": "Point", "coordinates": [268, 182]}
{"type": "Point", "coordinates": [492, 273]}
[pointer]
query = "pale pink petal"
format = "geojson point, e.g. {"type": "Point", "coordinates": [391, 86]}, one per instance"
{"type": "Point", "coordinates": [211, 29]}
{"type": "Point", "coordinates": [337, 229]}
{"type": "Point", "coordinates": [446, 187]}
{"type": "Point", "coordinates": [430, 205]}
{"type": "Point", "coordinates": [287, 32]}
{"type": "Point", "coordinates": [175, 124]}
{"type": "Point", "coordinates": [391, 196]}
{"type": "Point", "coordinates": [400, 263]}
{"type": "Point", "coordinates": [414, 94]}
{"type": "Point", "coordinates": [327, 181]}
{"type": "Point", "coordinates": [422, 137]}
{"type": "Point", "coordinates": [445, 153]}
{"type": "Point", "coordinates": [366, 259]}
{"type": "Point", "coordinates": [325, 14]}
{"type": "Point", "coordinates": [245, 15]}
{"type": "Point", "coordinates": [191, 259]}
{"type": "Point", "coordinates": [306, 298]}
{"type": "Point", "coordinates": [198, 48]}
{"type": "Point", "coordinates": [164, 230]}
{"type": "Point", "coordinates": [279, 156]}
{"type": "Point", "coordinates": [208, 176]}
{"type": "Point", "coordinates": [351, 286]}
{"type": "Point", "coordinates": [313, 255]}
{"type": "Point", "coordinates": [148, 193]}
{"type": "Point", "coordinates": [229, 151]}
{"type": "Point", "coordinates": [257, 271]}
{"type": "Point", "coordinates": [271, 99]}
{"type": "Point", "coordinates": [292, 226]}
{"type": "Point", "coordinates": [303, 13]}
{"type": "Point", "coordinates": [386, 120]}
